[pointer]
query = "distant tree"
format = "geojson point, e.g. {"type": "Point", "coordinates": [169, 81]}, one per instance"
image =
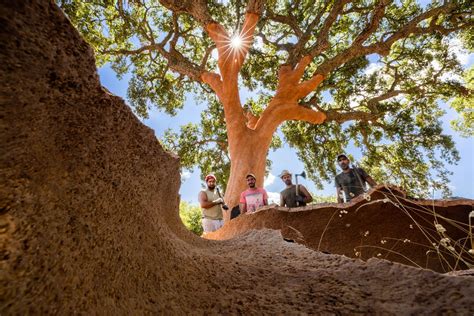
{"type": "Point", "coordinates": [190, 215]}
{"type": "Point", "coordinates": [329, 72]}
{"type": "Point", "coordinates": [324, 198]}
{"type": "Point", "coordinates": [465, 107]}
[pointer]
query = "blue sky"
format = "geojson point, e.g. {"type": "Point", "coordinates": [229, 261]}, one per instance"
{"type": "Point", "coordinates": [461, 181]}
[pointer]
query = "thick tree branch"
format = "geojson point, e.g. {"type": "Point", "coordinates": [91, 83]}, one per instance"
{"type": "Point", "coordinates": [231, 57]}
{"type": "Point", "coordinates": [383, 47]}
{"type": "Point", "coordinates": [215, 82]}
{"type": "Point", "coordinates": [176, 61]}
{"type": "Point", "coordinates": [278, 112]}
{"type": "Point", "coordinates": [341, 117]}
{"type": "Point", "coordinates": [377, 16]}
{"type": "Point", "coordinates": [196, 8]}
{"type": "Point", "coordinates": [255, 7]}
{"type": "Point", "coordinates": [230, 60]}
{"type": "Point", "coordinates": [285, 47]}
{"type": "Point", "coordinates": [284, 105]}
{"type": "Point", "coordinates": [289, 20]}
{"type": "Point", "coordinates": [289, 87]}
{"type": "Point", "coordinates": [298, 49]}
{"type": "Point", "coordinates": [322, 41]}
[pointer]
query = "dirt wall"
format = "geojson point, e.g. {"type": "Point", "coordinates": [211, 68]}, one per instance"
{"type": "Point", "coordinates": [383, 224]}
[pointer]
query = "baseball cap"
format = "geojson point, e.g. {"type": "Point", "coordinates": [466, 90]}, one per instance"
{"type": "Point", "coordinates": [341, 156]}
{"type": "Point", "coordinates": [250, 175]}
{"type": "Point", "coordinates": [210, 176]}
{"type": "Point", "coordinates": [284, 173]}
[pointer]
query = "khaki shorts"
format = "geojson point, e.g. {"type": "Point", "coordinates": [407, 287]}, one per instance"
{"type": "Point", "coordinates": [210, 225]}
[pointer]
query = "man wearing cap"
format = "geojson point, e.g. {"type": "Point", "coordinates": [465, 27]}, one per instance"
{"type": "Point", "coordinates": [351, 181]}
{"type": "Point", "coordinates": [252, 198]}
{"type": "Point", "coordinates": [211, 202]}
{"type": "Point", "coordinates": [288, 197]}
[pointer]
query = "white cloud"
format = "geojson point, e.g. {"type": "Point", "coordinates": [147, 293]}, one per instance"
{"type": "Point", "coordinates": [215, 54]}
{"type": "Point", "coordinates": [373, 68]}
{"type": "Point", "coordinates": [258, 43]}
{"type": "Point", "coordinates": [185, 175]}
{"type": "Point", "coordinates": [269, 180]}
{"type": "Point", "coordinates": [451, 76]}
{"type": "Point", "coordinates": [273, 198]}
{"type": "Point", "coordinates": [355, 101]}
{"type": "Point", "coordinates": [436, 65]}
{"type": "Point", "coordinates": [463, 56]}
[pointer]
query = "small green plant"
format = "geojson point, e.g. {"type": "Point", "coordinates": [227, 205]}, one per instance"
{"type": "Point", "coordinates": [191, 216]}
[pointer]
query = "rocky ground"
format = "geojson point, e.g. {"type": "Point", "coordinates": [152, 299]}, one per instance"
{"type": "Point", "coordinates": [89, 210]}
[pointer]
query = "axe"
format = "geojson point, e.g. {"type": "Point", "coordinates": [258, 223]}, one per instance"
{"type": "Point", "coordinates": [303, 174]}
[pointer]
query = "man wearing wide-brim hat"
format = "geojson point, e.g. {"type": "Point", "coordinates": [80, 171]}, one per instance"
{"type": "Point", "coordinates": [289, 196]}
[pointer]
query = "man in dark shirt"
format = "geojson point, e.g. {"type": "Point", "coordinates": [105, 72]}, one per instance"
{"type": "Point", "coordinates": [350, 181]}
{"type": "Point", "coordinates": [288, 197]}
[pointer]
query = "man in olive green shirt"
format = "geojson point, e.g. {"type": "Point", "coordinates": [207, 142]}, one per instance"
{"type": "Point", "coordinates": [289, 197]}
{"type": "Point", "coordinates": [351, 182]}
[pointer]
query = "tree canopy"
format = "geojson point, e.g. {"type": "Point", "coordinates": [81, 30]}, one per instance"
{"type": "Point", "coordinates": [384, 68]}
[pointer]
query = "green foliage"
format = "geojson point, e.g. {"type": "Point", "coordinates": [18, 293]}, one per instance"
{"type": "Point", "coordinates": [464, 105]}
{"type": "Point", "coordinates": [402, 141]}
{"type": "Point", "coordinates": [191, 216]}
{"type": "Point", "coordinates": [317, 199]}
{"type": "Point", "coordinates": [203, 144]}
{"type": "Point", "coordinates": [387, 105]}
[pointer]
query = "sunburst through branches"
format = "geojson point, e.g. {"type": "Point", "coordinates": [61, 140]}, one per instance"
{"type": "Point", "coordinates": [237, 45]}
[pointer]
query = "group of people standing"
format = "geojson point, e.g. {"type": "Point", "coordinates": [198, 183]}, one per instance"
{"type": "Point", "coordinates": [350, 183]}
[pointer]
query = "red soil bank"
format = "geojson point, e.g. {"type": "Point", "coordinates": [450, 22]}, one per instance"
{"type": "Point", "coordinates": [384, 224]}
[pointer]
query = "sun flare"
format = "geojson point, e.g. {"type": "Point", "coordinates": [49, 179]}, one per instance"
{"type": "Point", "coordinates": [236, 41]}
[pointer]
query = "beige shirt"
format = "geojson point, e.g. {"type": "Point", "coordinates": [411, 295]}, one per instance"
{"type": "Point", "coordinates": [214, 212]}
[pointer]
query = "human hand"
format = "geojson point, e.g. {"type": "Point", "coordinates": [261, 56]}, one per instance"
{"type": "Point", "coordinates": [218, 201]}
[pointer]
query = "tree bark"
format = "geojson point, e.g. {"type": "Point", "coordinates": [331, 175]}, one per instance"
{"type": "Point", "coordinates": [248, 152]}
{"type": "Point", "coordinates": [249, 137]}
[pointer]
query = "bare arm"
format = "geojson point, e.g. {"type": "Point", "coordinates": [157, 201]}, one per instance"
{"type": "Point", "coordinates": [204, 202]}
{"type": "Point", "coordinates": [243, 208]}
{"type": "Point", "coordinates": [370, 181]}
{"type": "Point", "coordinates": [307, 196]}
{"type": "Point", "coordinates": [282, 200]}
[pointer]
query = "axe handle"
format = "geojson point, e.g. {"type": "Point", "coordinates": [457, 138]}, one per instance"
{"type": "Point", "coordinates": [297, 191]}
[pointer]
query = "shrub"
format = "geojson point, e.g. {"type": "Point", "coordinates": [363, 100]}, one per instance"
{"type": "Point", "coordinates": [191, 216]}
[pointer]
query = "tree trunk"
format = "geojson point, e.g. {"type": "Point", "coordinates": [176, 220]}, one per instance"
{"type": "Point", "coordinates": [248, 155]}
{"type": "Point", "coordinates": [250, 138]}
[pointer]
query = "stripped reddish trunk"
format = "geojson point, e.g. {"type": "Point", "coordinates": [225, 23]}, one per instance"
{"type": "Point", "coordinates": [248, 155]}
{"type": "Point", "coordinates": [249, 137]}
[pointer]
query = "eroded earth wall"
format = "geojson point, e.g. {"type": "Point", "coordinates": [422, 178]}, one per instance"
{"type": "Point", "coordinates": [383, 224]}
{"type": "Point", "coordinates": [89, 199]}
